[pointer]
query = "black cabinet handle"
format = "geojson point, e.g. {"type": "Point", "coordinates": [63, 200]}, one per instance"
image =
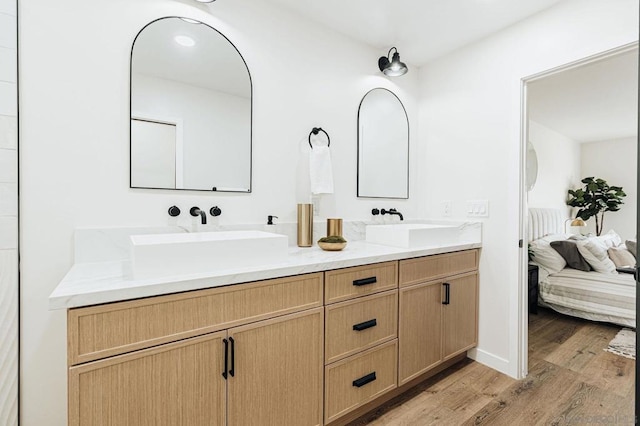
{"type": "Point", "coordinates": [365, 281]}
{"type": "Point", "coordinates": [233, 357]}
{"type": "Point", "coordinates": [226, 357]}
{"type": "Point", "coordinates": [364, 380]}
{"type": "Point", "coordinates": [365, 325]}
{"type": "Point", "coordinates": [447, 293]}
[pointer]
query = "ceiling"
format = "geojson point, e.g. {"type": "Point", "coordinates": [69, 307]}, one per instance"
{"type": "Point", "coordinates": [420, 29]}
{"type": "Point", "coordinates": [594, 102]}
{"type": "Point", "coordinates": [157, 54]}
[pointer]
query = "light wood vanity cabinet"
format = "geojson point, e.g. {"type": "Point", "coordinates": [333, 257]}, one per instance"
{"type": "Point", "coordinates": [270, 369]}
{"type": "Point", "coordinates": [361, 333]}
{"type": "Point", "coordinates": [420, 330]}
{"type": "Point", "coordinates": [460, 315]}
{"type": "Point", "coordinates": [438, 317]}
{"type": "Point", "coordinates": [307, 350]}
{"type": "Point", "coordinates": [277, 371]}
{"type": "Point", "coordinates": [177, 383]}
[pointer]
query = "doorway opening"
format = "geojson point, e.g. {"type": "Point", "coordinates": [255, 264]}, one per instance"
{"type": "Point", "coordinates": [580, 121]}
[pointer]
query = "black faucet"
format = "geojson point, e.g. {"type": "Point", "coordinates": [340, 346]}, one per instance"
{"type": "Point", "coordinates": [392, 211]}
{"type": "Point", "coordinates": [195, 211]}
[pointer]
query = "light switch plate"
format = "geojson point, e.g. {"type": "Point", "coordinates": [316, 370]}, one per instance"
{"type": "Point", "coordinates": [478, 208]}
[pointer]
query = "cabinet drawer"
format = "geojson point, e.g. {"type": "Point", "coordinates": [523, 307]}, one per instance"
{"type": "Point", "coordinates": [354, 381]}
{"type": "Point", "coordinates": [100, 331]}
{"type": "Point", "coordinates": [343, 284]}
{"type": "Point", "coordinates": [360, 324]}
{"type": "Point", "coordinates": [413, 271]}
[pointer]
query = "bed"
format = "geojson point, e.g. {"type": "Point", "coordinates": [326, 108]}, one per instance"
{"type": "Point", "coordinates": [596, 296]}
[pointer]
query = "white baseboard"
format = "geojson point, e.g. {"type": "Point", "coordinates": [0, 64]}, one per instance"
{"type": "Point", "coordinates": [490, 360]}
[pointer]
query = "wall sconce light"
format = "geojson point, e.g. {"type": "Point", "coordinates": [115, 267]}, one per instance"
{"type": "Point", "coordinates": [393, 67]}
{"type": "Point", "coordinates": [574, 222]}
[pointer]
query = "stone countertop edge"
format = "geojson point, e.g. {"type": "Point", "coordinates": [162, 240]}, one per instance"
{"type": "Point", "coordinates": [106, 282]}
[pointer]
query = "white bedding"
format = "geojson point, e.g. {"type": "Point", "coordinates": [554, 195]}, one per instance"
{"type": "Point", "coordinates": [591, 295]}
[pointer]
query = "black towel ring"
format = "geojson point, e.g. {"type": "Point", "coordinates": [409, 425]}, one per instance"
{"type": "Point", "coordinates": [317, 130]}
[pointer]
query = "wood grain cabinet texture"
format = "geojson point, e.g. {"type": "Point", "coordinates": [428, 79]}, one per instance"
{"type": "Point", "coordinates": [307, 350]}
{"type": "Point", "coordinates": [438, 318]}
{"type": "Point", "coordinates": [361, 330]}
{"type": "Point", "coordinates": [269, 369]}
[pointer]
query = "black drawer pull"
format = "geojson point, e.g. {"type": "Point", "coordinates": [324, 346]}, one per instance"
{"type": "Point", "coordinates": [364, 380]}
{"type": "Point", "coordinates": [365, 325]}
{"type": "Point", "coordinates": [365, 281]}
{"type": "Point", "coordinates": [447, 293]}
{"type": "Point", "coordinates": [233, 357]}
{"type": "Point", "coordinates": [226, 358]}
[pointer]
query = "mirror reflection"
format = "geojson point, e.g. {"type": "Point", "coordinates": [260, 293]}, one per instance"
{"type": "Point", "coordinates": [383, 146]}
{"type": "Point", "coordinates": [191, 101]}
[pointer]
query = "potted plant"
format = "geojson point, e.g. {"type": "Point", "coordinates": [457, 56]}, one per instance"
{"type": "Point", "coordinates": [596, 198]}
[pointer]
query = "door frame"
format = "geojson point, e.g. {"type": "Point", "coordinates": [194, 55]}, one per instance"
{"type": "Point", "coordinates": [523, 289]}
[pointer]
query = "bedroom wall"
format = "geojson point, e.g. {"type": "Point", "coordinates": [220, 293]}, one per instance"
{"type": "Point", "coordinates": [470, 114]}
{"type": "Point", "coordinates": [615, 162]}
{"type": "Point", "coordinates": [558, 168]}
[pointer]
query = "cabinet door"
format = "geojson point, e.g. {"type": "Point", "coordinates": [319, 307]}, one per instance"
{"type": "Point", "coordinates": [277, 370]}
{"type": "Point", "coordinates": [420, 329]}
{"type": "Point", "coordinates": [174, 384]}
{"type": "Point", "coordinates": [460, 315]}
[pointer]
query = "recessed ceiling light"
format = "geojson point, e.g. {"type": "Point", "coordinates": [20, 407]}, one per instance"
{"type": "Point", "coordinates": [185, 41]}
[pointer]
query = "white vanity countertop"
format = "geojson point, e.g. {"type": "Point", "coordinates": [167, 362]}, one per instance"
{"type": "Point", "coordinates": [103, 282]}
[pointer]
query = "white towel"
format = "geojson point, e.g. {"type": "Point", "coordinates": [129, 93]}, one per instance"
{"type": "Point", "coordinates": [320, 170]}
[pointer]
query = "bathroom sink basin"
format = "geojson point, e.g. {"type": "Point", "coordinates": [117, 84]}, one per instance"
{"type": "Point", "coordinates": [412, 235]}
{"type": "Point", "coordinates": [159, 255]}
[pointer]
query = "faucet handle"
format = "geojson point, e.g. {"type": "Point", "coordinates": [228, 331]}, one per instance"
{"type": "Point", "coordinates": [174, 211]}
{"type": "Point", "coordinates": [375, 212]}
{"type": "Point", "coordinates": [215, 211]}
{"type": "Point", "coordinates": [270, 219]}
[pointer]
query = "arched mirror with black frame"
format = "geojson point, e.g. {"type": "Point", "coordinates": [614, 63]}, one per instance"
{"type": "Point", "coordinates": [383, 146]}
{"type": "Point", "coordinates": [191, 109]}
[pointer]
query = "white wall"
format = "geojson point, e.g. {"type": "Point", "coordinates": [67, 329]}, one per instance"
{"type": "Point", "coordinates": [470, 124]}
{"type": "Point", "coordinates": [615, 162]}
{"type": "Point", "coordinates": [216, 129]}
{"type": "Point", "coordinates": [75, 130]}
{"type": "Point", "coordinates": [8, 215]}
{"type": "Point", "coordinates": [558, 168]}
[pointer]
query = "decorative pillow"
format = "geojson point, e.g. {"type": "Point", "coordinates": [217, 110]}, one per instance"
{"type": "Point", "coordinates": [543, 255]}
{"type": "Point", "coordinates": [595, 253]}
{"type": "Point", "coordinates": [632, 246]}
{"type": "Point", "coordinates": [569, 251]}
{"type": "Point", "coordinates": [621, 257]}
{"type": "Point", "coordinates": [611, 239]}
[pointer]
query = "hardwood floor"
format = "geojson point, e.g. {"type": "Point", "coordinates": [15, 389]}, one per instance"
{"type": "Point", "coordinates": [571, 381]}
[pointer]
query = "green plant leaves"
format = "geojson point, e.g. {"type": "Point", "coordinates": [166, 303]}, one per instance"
{"type": "Point", "coordinates": [597, 197]}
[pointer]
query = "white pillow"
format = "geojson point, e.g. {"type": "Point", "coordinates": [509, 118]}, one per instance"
{"type": "Point", "coordinates": [610, 239]}
{"type": "Point", "coordinates": [545, 256]}
{"type": "Point", "coordinates": [595, 253]}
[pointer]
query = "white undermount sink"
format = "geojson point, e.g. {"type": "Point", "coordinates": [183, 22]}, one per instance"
{"type": "Point", "coordinates": [159, 255]}
{"type": "Point", "coordinates": [410, 235]}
